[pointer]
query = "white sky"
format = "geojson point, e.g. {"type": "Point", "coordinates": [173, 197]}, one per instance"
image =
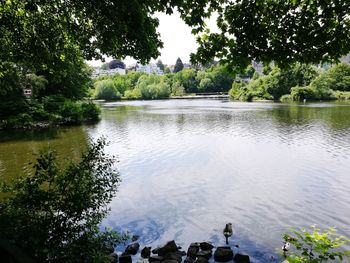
{"type": "Point", "coordinates": [177, 38]}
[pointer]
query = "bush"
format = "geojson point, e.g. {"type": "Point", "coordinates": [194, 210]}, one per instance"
{"type": "Point", "coordinates": [316, 246]}
{"type": "Point", "coordinates": [342, 95]}
{"type": "Point", "coordinates": [71, 112]}
{"type": "Point", "coordinates": [240, 91]}
{"type": "Point", "coordinates": [336, 78]}
{"type": "Point", "coordinates": [153, 87]}
{"type": "Point", "coordinates": [303, 93]}
{"type": "Point", "coordinates": [53, 215]}
{"type": "Point", "coordinates": [53, 103]}
{"type": "Point", "coordinates": [286, 98]}
{"type": "Point", "coordinates": [132, 94]}
{"type": "Point", "coordinates": [106, 90]}
{"type": "Point", "coordinates": [90, 111]}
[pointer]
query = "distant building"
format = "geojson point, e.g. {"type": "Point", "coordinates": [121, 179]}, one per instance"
{"type": "Point", "coordinates": [345, 59]}
{"type": "Point", "coordinates": [150, 68]}
{"type": "Point", "coordinates": [107, 72]}
{"type": "Point", "coordinates": [258, 66]}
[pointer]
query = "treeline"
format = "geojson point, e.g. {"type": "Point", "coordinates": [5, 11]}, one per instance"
{"type": "Point", "coordinates": [137, 85]}
{"type": "Point", "coordinates": [298, 82]}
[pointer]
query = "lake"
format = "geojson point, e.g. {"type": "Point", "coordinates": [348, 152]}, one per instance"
{"type": "Point", "coordinates": [188, 167]}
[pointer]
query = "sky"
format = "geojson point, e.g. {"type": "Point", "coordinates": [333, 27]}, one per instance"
{"type": "Point", "coordinates": [177, 38]}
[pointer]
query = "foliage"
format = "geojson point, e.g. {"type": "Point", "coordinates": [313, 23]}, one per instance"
{"type": "Point", "coordinates": [90, 111]}
{"type": "Point", "coordinates": [336, 78]}
{"type": "Point", "coordinates": [106, 90]}
{"type": "Point", "coordinates": [240, 91]}
{"type": "Point", "coordinates": [342, 95]}
{"type": "Point", "coordinates": [178, 65]}
{"type": "Point", "coordinates": [316, 246]}
{"type": "Point", "coordinates": [214, 79]}
{"type": "Point", "coordinates": [153, 87]}
{"type": "Point", "coordinates": [302, 93]}
{"type": "Point", "coordinates": [278, 82]}
{"type": "Point", "coordinates": [71, 112]}
{"type": "Point", "coordinates": [282, 31]}
{"type": "Point", "coordinates": [37, 83]}
{"type": "Point", "coordinates": [187, 78]}
{"type": "Point", "coordinates": [54, 213]}
{"type": "Point", "coordinates": [116, 63]}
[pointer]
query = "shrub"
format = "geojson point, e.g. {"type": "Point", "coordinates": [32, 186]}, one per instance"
{"type": "Point", "coordinates": [90, 111]}
{"type": "Point", "coordinates": [303, 93]}
{"type": "Point", "coordinates": [53, 215]}
{"type": "Point", "coordinates": [71, 112]}
{"type": "Point", "coordinates": [53, 103]}
{"type": "Point", "coordinates": [153, 87]}
{"type": "Point", "coordinates": [106, 90]}
{"type": "Point", "coordinates": [177, 89]}
{"type": "Point", "coordinates": [342, 95]}
{"type": "Point", "coordinates": [286, 98]}
{"type": "Point", "coordinates": [316, 246]}
{"type": "Point", "coordinates": [132, 94]}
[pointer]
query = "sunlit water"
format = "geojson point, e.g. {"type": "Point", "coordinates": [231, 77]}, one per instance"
{"type": "Point", "coordinates": [190, 166]}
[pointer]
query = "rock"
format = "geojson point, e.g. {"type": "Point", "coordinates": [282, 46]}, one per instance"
{"type": "Point", "coordinates": [125, 258]}
{"type": "Point", "coordinates": [113, 257]}
{"type": "Point", "coordinates": [155, 258]}
{"type": "Point", "coordinates": [223, 254]}
{"type": "Point", "coordinates": [170, 261]}
{"type": "Point", "coordinates": [132, 248]}
{"type": "Point", "coordinates": [174, 256]}
{"type": "Point", "coordinates": [167, 248]}
{"type": "Point", "coordinates": [192, 251]}
{"type": "Point", "coordinates": [201, 260]}
{"type": "Point", "coordinates": [146, 252]}
{"type": "Point", "coordinates": [189, 260]}
{"type": "Point", "coordinates": [155, 251]}
{"type": "Point", "coordinates": [239, 258]}
{"type": "Point", "coordinates": [195, 244]}
{"type": "Point", "coordinates": [135, 238]}
{"type": "Point", "coordinates": [206, 246]}
{"type": "Point", "coordinates": [205, 253]}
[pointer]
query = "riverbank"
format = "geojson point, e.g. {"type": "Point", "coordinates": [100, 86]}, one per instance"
{"type": "Point", "coordinates": [52, 111]}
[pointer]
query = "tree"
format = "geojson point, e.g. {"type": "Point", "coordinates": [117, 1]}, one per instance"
{"type": "Point", "coordinates": [53, 215]}
{"type": "Point", "coordinates": [160, 64]}
{"type": "Point", "coordinates": [336, 78]}
{"type": "Point", "coordinates": [116, 63]}
{"type": "Point", "coordinates": [187, 79]}
{"type": "Point", "coordinates": [281, 31]}
{"type": "Point", "coordinates": [178, 65]}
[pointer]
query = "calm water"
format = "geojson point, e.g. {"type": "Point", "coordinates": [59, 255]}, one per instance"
{"type": "Point", "coordinates": [190, 166]}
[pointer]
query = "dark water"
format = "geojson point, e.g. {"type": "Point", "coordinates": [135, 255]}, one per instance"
{"type": "Point", "coordinates": [190, 166]}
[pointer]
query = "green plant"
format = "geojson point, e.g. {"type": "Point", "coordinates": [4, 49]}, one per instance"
{"type": "Point", "coordinates": [106, 90]}
{"type": "Point", "coordinates": [71, 112]}
{"type": "Point", "coordinates": [303, 93]}
{"type": "Point", "coordinates": [90, 111]}
{"type": "Point", "coordinates": [53, 214]}
{"type": "Point", "coordinates": [315, 246]}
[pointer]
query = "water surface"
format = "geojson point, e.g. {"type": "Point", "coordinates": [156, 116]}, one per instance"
{"type": "Point", "coordinates": [190, 166]}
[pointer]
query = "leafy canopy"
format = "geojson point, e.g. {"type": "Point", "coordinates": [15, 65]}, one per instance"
{"type": "Point", "coordinates": [307, 31]}
{"type": "Point", "coordinates": [283, 31]}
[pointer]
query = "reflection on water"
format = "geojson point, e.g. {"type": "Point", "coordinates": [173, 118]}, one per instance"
{"type": "Point", "coordinates": [19, 148]}
{"type": "Point", "coordinates": [190, 166]}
